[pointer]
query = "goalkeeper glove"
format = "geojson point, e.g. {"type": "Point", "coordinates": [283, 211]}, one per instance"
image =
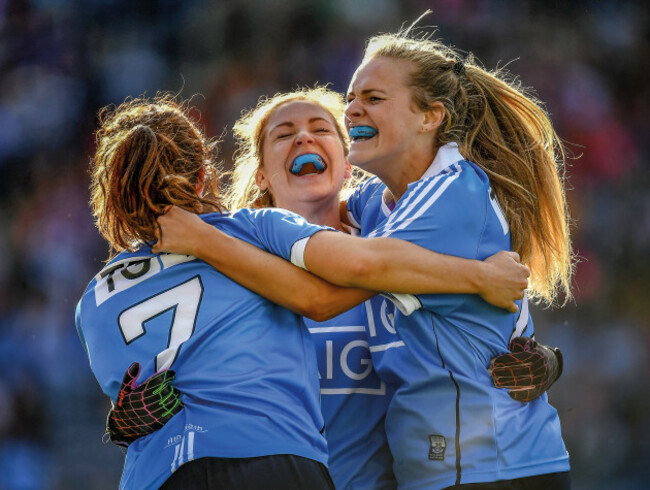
{"type": "Point", "coordinates": [528, 370]}
{"type": "Point", "coordinates": [142, 409]}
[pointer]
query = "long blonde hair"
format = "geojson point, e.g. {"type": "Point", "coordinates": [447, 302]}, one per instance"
{"type": "Point", "coordinates": [149, 155]}
{"type": "Point", "coordinates": [505, 131]}
{"type": "Point", "coordinates": [249, 137]}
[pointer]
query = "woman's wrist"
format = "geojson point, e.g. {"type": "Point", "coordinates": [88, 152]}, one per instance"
{"type": "Point", "coordinates": [206, 240]}
{"type": "Point", "coordinates": [479, 276]}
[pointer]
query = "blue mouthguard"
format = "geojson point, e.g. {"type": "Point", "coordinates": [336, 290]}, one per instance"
{"type": "Point", "coordinates": [301, 160]}
{"type": "Point", "coordinates": [362, 132]}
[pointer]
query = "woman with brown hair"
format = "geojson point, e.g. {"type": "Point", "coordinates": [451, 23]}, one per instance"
{"type": "Point", "coordinates": [231, 349]}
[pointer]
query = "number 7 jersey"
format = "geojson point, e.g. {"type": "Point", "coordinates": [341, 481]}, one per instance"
{"type": "Point", "coordinates": [246, 367]}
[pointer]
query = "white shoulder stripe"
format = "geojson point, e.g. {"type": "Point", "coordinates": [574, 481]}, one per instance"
{"type": "Point", "coordinates": [406, 206]}
{"type": "Point", "coordinates": [416, 213]}
{"type": "Point", "coordinates": [427, 204]}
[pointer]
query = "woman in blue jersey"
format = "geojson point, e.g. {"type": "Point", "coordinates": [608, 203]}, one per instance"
{"type": "Point", "coordinates": [353, 398]}
{"type": "Point", "coordinates": [174, 312]}
{"type": "Point", "coordinates": [246, 366]}
{"type": "Point", "coordinates": [468, 164]}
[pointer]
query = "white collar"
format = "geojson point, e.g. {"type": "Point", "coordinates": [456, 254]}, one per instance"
{"type": "Point", "coordinates": [447, 155]}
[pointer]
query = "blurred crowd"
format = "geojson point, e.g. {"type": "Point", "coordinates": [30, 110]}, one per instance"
{"type": "Point", "coordinates": [62, 60]}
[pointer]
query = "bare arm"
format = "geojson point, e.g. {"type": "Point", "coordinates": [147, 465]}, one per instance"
{"type": "Point", "coordinates": [397, 266]}
{"type": "Point", "coordinates": [382, 264]}
{"type": "Point", "coordinates": [269, 276]}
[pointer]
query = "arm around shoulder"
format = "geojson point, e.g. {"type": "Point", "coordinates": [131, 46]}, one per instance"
{"type": "Point", "coordinates": [269, 276]}
{"type": "Point", "coordinates": [396, 266]}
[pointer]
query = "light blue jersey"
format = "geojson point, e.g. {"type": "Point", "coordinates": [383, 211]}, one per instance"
{"type": "Point", "coordinates": [354, 402]}
{"type": "Point", "coordinates": [246, 367]}
{"type": "Point", "coordinates": [446, 423]}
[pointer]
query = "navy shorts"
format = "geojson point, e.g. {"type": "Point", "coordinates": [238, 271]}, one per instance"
{"type": "Point", "coordinates": [550, 481]}
{"type": "Point", "coordinates": [276, 472]}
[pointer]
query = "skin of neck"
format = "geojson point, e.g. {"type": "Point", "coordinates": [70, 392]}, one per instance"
{"type": "Point", "coordinates": [323, 212]}
{"type": "Point", "coordinates": [398, 175]}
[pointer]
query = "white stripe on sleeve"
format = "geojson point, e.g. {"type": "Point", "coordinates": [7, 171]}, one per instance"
{"type": "Point", "coordinates": [298, 252]}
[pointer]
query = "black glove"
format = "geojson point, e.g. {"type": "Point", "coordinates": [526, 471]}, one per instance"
{"type": "Point", "coordinates": [141, 410]}
{"type": "Point", "coordinates": [528, 370]}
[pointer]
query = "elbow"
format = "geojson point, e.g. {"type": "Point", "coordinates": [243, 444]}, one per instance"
{"type": "Point", "coordinates": [320, 316]}
{"type": "Point", "coordinates": [319, 310]}
{"type": "Point", "coordinates": [321, 304]}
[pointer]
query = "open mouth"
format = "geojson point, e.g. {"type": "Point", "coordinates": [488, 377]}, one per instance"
{"type": "Point", "coordinates": [362, 133]}
{"type": "Point", "coordinates": [308, 164]}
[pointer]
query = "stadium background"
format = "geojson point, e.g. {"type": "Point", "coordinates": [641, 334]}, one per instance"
{"type": "Point", "coordinates": [61, 60]}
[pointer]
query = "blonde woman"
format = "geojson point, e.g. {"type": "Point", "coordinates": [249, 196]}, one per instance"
{"type": "Point", "coordinates": [467, 164]}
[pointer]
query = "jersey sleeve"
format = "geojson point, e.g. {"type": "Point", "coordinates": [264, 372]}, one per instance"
{"type": "Point", "coordinates": [358, 200]}
{"type": "Point", "coordinates": [446, 214]}
{"type": "Point", "coordinates": [284, 233]}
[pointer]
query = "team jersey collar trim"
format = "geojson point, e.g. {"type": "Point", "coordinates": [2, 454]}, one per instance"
{"type": "Point", "coordinates": [447, 155]}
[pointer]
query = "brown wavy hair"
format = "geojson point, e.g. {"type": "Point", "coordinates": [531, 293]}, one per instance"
{"type": "Point", "coordinates": [507, 132]}
{"type": "Point", "coordinates": [150, 154]}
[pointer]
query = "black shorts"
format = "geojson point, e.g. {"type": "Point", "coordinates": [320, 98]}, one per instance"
{"type": "Point", "coordinates": [276, 472]}
{"type": "Point", "coordinates": [550, 481]}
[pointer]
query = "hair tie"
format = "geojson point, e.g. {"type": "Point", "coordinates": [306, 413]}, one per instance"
{"type": "Point", "coordinates": [459, 67]}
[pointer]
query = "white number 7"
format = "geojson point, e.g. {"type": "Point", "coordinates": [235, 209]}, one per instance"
{"type": "Point", "coordinates": [184, 299]}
